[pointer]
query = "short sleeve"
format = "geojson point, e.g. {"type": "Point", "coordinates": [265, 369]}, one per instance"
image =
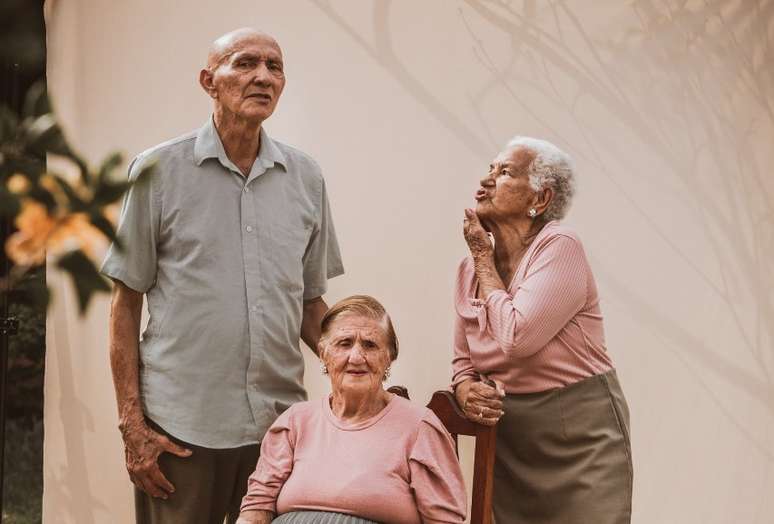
{"type": "Point", "coordinates": [274, 466]}
{"type": "Point", "coordinates": [322, 259]}
{"type": "Point", "coordinates": [436, 478]}
{"type": "Point", "coordinates": [134, 263]}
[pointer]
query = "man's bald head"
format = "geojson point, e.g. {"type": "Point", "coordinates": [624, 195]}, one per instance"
{"type": "Point", "coordinates": [222, 48]}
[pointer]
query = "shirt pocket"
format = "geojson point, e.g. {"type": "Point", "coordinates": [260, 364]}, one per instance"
{"type": "Point", "coordinates": [289, 241]}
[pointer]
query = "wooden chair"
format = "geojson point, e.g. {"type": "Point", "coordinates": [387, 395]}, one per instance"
{"type": "Point", "coordinates": [445, 407]}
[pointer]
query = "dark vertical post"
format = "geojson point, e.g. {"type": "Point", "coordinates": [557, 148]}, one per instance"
{"type": "Point", "coordinates": [22, 63]}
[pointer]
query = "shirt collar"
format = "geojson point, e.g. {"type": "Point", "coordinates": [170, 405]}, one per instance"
{"type": "Point", "coordinates": [209, 145]}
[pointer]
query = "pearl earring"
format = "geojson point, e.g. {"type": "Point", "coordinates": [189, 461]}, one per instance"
{"type": "Point", "coordinates": [386, 374]}
{"type": "Point", "coordinates": [532, 212]}
{"type": "Point", "coordinates": [323, 368]}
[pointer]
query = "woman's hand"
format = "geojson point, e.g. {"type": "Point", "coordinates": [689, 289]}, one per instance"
{"type": "Point", "coordinates": [480, 402]}
{"type": "Point", "coordinates": [476, 236]}
{"type": "Point", "coordinates": [255, 517]}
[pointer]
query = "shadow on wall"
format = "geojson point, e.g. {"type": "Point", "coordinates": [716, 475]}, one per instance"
{"type": "Point", "coordinates": [706, 107]}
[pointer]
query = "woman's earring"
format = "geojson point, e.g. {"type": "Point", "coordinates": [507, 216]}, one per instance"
{"type": "Point", "coordinates": [323, 368]}
{"type": "Point", "coordinates": [532, 212]}
{"type": "Point", "coordinates": [386, 374]}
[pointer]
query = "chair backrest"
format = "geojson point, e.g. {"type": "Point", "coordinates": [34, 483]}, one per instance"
{"type": "Point", "coordinates": [445, 407]}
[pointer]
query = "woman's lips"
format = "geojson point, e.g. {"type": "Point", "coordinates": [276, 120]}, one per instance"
{"type": "Point", "coordinates": [480, 195]}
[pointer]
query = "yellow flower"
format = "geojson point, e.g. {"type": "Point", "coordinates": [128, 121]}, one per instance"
{"type": "Point", "coordinates": [27, 247]}
{"type": "Point", "coordinates": [18, 184]}
{"type": "Point", "coordinates": [39, 232]}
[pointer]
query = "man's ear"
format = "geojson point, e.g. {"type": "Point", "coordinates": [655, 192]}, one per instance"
{"type": "Point", "coordinates": [205, 80]}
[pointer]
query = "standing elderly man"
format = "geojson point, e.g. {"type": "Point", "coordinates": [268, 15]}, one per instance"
{"type": "Point", "coordinates": [232, 243]}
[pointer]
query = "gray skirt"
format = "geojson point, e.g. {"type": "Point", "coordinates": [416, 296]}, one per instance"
{"type": "Point", "coordinates": [563, 456]}
{"type": "Point", "coordinates": [319, 517]}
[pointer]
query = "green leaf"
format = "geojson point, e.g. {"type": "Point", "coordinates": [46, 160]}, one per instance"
{"type": "Point", "coordinates": [86, 278]}
{"type": "Point", "coordinates": [108, 192]}
{"type": "Point", "coordinates": [9, 124]}
{"type": "Point", "coordinates": [109, 165]}
{"type": "Point", "coordinates": [105, 227]}
{"type": "Point", "coordinates": [36, 103]}
{"type": "Point", "coordinates": [9, 203]}
{"type": "Point", "coordinates": [42, 135]}
{"type": "Point", "coordinates": [76, 204]}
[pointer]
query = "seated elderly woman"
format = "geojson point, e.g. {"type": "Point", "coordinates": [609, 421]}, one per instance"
{"type": "Point", "coordinates": [530, 349]}
{"type": "Point", "coordinates": [360, 454]}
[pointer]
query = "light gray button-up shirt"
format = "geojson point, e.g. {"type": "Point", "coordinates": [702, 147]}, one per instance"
{"type": "Point", "coordinates": [226, 262]}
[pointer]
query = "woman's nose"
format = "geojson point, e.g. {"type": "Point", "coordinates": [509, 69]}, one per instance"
{"type": "Point", "coordinates": [487, 181]}
{"type": "Point", "coordinates": [356, 355]}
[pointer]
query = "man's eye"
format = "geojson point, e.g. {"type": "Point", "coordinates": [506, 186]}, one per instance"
{"type": "Point", "coordinates": [274, 66]}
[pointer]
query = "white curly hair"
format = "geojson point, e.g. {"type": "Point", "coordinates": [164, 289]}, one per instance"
{"type": "Point", "coordinates": [552, 168]}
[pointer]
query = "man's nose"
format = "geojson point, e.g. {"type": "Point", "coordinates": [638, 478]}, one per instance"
{"type": "Point", "coordinates": [262, 74]}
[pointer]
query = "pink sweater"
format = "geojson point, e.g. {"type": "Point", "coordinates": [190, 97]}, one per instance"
{"type": "Point", "coordinates": [399, 466]}
{"type": "Point", "coordinates": [545, 331]}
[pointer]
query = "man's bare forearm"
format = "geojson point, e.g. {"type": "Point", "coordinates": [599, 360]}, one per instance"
{"type": "Point", "coordinates": [125, 311]}
{"type": "Point", "coordinates": [314, 310]}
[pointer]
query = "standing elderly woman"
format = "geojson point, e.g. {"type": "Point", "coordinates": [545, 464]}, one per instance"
{"type": "Point", "coordinates": [530, 349]}
{"type": "Point", "coordinates": [361, 454]}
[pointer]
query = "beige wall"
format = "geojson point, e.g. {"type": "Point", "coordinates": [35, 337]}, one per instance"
{"type": "Point", "coordinates": [667, 109]}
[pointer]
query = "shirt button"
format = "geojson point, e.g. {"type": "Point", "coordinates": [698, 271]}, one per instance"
{"type": "Point", "coordinates": [254, 308]}
{"type": "Point", "coordinates": [247, 190]}
{"type": "Point", "coordinates": [249, 229]}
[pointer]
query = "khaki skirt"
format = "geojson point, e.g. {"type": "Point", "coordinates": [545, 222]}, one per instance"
{"type": "Point", "coordinates": [564, 456]}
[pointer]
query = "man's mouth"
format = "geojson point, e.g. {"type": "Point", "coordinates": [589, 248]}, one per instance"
{"type": "Point", "coordinates": [260, 96]}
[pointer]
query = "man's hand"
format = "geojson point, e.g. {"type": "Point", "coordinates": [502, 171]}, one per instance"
{"type": "Point", "coordinates": [476, 236]}
{"type": "Point", "coordinates": [142, 447]}
{"type": "Point", "coordinates": [480, 402]}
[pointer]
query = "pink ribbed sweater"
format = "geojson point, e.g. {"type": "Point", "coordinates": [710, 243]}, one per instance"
{"type": "Point", "coordinates": [399, 466]}
{"type": "Point", "coordinates": [545, 331]}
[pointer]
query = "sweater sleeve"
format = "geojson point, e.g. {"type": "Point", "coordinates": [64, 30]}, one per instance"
{"type": "Point", "coordinates": [436, 478]}
{"type": "Point", "coordinates": [553, 291]}
{"type": "Point", "coordinates": [462, 366]}
{"type": "Point", "coordinates": [273, 468]}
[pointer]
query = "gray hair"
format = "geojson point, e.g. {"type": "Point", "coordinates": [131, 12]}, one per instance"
{"type": "Point", "coordinates": [552, 168]}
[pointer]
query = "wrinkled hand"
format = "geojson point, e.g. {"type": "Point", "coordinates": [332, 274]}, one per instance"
{"type": "Point", "coordinates": [142, 447]}
{"type": "Point", "coordinates": [475, 235]}
{"type": "Point", "coordinates": [481, 402]}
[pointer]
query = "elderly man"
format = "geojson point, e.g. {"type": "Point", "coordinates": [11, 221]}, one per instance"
{"type": "Point", "coordinates": [232, 243]}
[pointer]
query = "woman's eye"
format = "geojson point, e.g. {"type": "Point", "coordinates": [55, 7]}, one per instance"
{"type": "Point", "coordinates": [505, 172]}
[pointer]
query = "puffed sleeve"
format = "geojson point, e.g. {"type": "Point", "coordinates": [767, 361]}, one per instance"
{"type": "Point", "coordinates": [134, 263]}
{"type": "Point", "coordinates": [553, 291]}
{"type": "Point", "coordinates": [274, 466]}
{"type": "Point", "coordinates": [436, 478]}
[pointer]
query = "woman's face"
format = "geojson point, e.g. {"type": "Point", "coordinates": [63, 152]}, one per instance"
{"type": "Point", "coordinates": [505, 192]}
{"type": "Point", "coordinates": [356, 354]}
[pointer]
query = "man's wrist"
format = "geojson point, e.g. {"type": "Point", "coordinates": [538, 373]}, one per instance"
{"type": "Point", "coordinates": [130, 420]}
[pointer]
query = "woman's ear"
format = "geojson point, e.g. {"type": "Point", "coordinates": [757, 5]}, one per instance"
{"type": "Point", "coordinates": [542, 200]}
